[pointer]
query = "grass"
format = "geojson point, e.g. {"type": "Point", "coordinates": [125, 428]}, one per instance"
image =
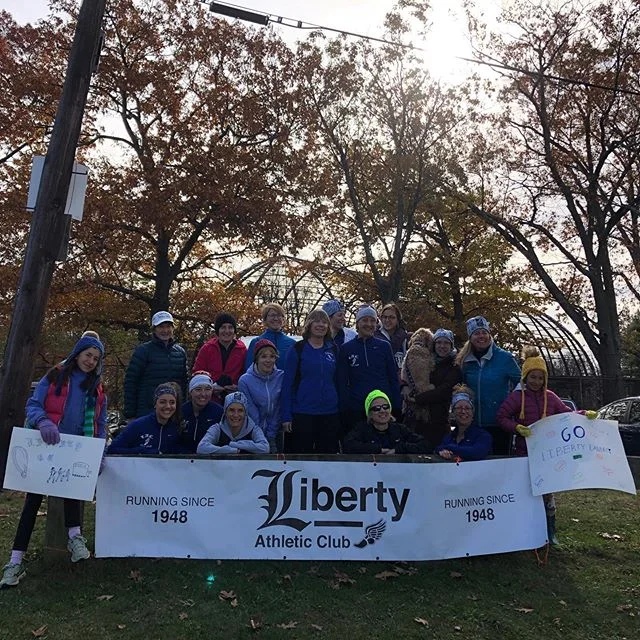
{"type": "Point", "coordinates": [589, 589]}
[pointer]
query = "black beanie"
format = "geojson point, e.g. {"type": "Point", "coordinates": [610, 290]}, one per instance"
{"type": "Point", "coordinates": [224, 318]}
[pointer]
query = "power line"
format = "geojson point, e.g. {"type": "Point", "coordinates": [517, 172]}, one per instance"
{"type": "Point", "coordinates": [261, 18]}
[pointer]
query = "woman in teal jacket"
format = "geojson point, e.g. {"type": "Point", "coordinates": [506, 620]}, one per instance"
{"type": "Point", "coordinates": [491, 373]}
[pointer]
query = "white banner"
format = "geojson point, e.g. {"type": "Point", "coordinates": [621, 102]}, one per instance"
{"type": "Point", "coordinates": [569, 451]}
{"type": "Point", "coordinates": [68, 469]}
{"type": "Point", "coordinates": [271, 509]}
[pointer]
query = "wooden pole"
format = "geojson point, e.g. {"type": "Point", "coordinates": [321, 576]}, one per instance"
{"type": "Point", "coordinates": [48, 225]}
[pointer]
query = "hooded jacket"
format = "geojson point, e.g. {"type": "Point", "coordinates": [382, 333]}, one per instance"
{"type": "Point", "coordinates": [151, 364]}
{"type": "Point", "coordinates": [281, 341]}
{"type": "Point", "coordinates": [197, 426]}
{"type": "Point", "coordinates": [491, 379]}
{"type": "Point", "coordinates": [263, 398]}
{"type": "Point", "coordinates": [219, 439]}
{"type": "Point", "coordinates": [508, 416]}
{"type": "Point", "coordinates": [147, 435]}
{"type": "Point", "coordinates": [365, 365]}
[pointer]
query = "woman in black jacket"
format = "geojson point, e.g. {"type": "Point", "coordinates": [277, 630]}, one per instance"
{"type": "Point", "coordinates": [444, 377]}
{"type": "Point", "coordinates": [380, 434]}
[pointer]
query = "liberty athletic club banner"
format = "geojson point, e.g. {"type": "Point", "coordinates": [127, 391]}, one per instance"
{"type": "Point", "coordinates": [299, 510]}
{"type": "Point", "coordinates": [569, 451]}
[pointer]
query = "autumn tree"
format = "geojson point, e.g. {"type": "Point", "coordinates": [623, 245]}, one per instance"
{"type": "Point", "coordinates": [386, 128]}
{"type": "Point", "coordinates": [198, 156]}
{"type": "Point", "coordinates": [560, 177]}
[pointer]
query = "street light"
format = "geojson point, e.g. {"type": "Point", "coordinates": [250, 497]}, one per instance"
{"type": "Point", "coordinates": [241, 14]}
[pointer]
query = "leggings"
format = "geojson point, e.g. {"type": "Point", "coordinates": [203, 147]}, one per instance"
{"type": "Point", "coordinates": [32, 502]}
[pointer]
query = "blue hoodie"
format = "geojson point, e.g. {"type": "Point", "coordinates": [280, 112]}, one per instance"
{"type": "Point", "coordinates": [146, 435]}
{"type": "Point", "coordinates": [282, 343]}
{"type": "Point", "coordinates": [365, 365]}
{"type": "Point", "coordinates": [263, 399]}
{"type": "Point", "coordinates": [491, 379]}
{"type": "Point", "coordinates": [197, 426]}
{"type": "Point", "coordinates": [316, 393]}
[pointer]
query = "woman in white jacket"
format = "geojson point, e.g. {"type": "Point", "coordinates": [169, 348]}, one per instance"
{"type": "Point", "coordinates": [236, 432]}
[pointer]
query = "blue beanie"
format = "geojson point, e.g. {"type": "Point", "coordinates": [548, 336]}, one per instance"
{"type": "Point", "coordinates": [332, 306]}
{"type": "Point", "coordinates": [477, 323]}
{"type": "Point", "coordinates": [86, 342]}
{"type": "Point", "coordinates": [444, 333]}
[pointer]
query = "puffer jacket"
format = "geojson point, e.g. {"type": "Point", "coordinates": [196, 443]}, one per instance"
{"type": "Point", "coordinates": [151, 364]}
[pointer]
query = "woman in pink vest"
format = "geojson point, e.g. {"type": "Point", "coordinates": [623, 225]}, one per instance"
{"type": "Point", "coordinates": [68, 400]}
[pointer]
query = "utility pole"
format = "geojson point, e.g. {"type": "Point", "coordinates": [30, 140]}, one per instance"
{"type": "Point", "coordinates": [49, 226]}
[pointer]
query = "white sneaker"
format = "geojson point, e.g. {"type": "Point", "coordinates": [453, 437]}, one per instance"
{"type": "Point", "coordinates": [12, 574]}
{"type": "Point", "coordinates": [78, 548]}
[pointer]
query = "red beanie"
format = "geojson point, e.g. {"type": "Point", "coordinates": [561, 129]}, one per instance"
{"type": "Point", "coordinates": [261, 344]}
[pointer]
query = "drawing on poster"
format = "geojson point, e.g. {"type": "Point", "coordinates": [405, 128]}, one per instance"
{"type": "Point", "coordinates": [20, 459]}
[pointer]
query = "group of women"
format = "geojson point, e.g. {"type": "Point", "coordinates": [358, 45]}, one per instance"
{"type": "Point", "coordinates": [336, 389]}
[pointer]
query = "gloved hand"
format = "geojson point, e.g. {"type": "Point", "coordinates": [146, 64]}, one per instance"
{"type": "Point", "coordinates": [49, 431]}
{"type": "Point", "coordinates": [523, 431]}
{"type": "Point", "coordinates": [103, 463]}
{"type": "Point", "coordinates": [591, 414]}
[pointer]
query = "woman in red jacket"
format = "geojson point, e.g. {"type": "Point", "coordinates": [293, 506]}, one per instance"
{"type": "Point", "coordinates": [222, 357]}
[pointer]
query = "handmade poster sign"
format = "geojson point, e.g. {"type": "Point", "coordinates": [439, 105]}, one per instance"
{"type": "Point", "coordinates": [68, 469]}
{"type": "Point", "coordinates": [569, 451]}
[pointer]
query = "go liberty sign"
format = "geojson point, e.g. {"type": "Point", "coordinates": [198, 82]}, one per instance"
{"type": "Point", "coordinates": [263, 509]}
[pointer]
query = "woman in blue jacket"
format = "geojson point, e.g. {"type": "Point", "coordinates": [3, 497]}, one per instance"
{"type": "Point", "coordinates": [365, 364]}
{"type": "Point", "coordinates": [157, 432]}
{"type": "Point", "coordinates": [467, 441]}
{"type": "Point", "coordinates": [262, 385]}
{"type": "Point", "coordinates": [199, 412]}
{"type": "Point", "coordinates": [491, 373]}
{"type": "Point", "coordinates": [310, 416]}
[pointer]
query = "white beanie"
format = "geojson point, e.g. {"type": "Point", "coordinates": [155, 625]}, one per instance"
{"type": "Point", "coordinates": [366, 312]}
{"type": "Point", "coordinates": [200, 380]}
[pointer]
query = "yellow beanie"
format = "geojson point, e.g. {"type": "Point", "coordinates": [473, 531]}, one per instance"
{"type": "Point", "coordinates": [533, 361]}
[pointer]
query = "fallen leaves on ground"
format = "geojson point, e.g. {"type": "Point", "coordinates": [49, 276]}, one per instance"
{"type": "Point", "coordinates": [317, 627]}
{"type": "Point", "coordinates": [136, 575]}
{"type": "Point", "coordinates": [121, 626]}
{"type": "Point", "coordinates": [405, 571]}
{"type": "Point", "coordinates": [563, 603]}
{"type": "Point", "coordinates": [104, 597]}
{"type": "Point", "coordinates": [523, 609]}
{"type": "Point", "coordinates": [611, 536]}
{"type": "Point", "coordinates": [230, 596]}
{"type": "Point", "coordinates": [457, 628]}
{"type": "Point", "coordinates": [422, 621]}
{"type": "Point", "coordinates": [255, 624]}
{"type": "Point", "coordinates": [288, 625]}
{"type": "Point", "coordinates": [455, 574]}
{"type": "Point", "coordinates": [183, 616]}
{"type": "Point", "coordinates": [386, 575]}
{"type": "Point", "coordinates": [187, 603]}
{"type": "Point", "coordinates": [362, 569]}
{"type": "Point", "coordinates": [473, 597]}
{"type": "Point", "coordinates": [623, 608]}
{"type": "Point", "coordinates": [40, 632]}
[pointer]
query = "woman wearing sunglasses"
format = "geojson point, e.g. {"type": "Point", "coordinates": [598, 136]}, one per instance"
{"type": "Point", "coordinates": [380, 433]}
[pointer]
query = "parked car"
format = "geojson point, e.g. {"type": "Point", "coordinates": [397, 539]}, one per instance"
{"type": "Point", "coordinates": [627, 412]}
